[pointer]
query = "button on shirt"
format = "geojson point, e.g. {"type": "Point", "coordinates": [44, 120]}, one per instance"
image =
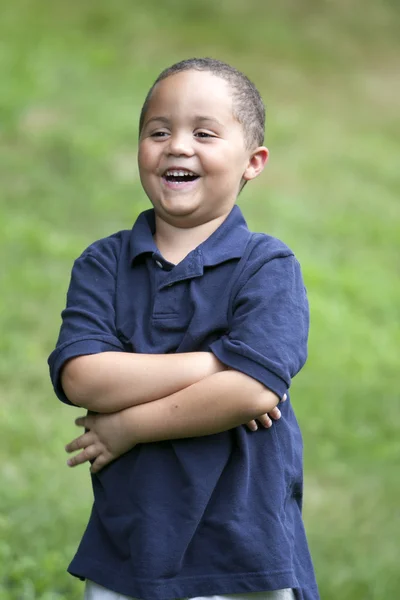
{"type": "Point", "coordinates": [216, 514]}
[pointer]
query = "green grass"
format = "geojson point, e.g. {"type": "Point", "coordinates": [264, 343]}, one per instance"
{"type": "Point", "coordinates": [74, 76]}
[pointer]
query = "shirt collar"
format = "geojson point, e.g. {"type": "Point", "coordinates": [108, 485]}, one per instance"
{"type": "Point", "coordinates": [141, 240]}
{"type": "Point", "coordinates": [227, 242]}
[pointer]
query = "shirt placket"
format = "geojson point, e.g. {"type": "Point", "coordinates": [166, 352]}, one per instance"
{"type": "Point", "coordinates": [165, 297]}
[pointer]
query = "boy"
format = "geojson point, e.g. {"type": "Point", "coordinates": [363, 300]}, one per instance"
{"type": "Point", "coordinates": [174, 336]}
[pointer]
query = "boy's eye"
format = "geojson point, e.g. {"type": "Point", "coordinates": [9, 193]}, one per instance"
{"type": "Point", "coordinates": [158, 134]}
{"type": "Point", "coordinates": [204, 134]}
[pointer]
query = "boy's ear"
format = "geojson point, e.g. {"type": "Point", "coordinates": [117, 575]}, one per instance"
{"type": "Point", "coordinates": [257, 161]}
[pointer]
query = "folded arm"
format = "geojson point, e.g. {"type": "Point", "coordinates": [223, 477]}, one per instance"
{"type": "Point", "coordinates": [112, 381]}
{"type": "Point", "coordinates": [217, 403]}
{"type": "Point", "coordinates": [90, 366]}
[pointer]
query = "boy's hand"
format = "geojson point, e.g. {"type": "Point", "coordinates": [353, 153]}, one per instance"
{"type": "Point", "coordinates": [266, 420]}
{"type": "Point", "coordinates": [105, 441]}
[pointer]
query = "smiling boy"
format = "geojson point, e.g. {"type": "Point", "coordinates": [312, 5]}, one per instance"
{"type": "Point", "coordinates": [175, 335]}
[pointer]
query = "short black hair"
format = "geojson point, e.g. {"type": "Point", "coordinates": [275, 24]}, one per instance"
{"type": "Point", "coordinates": [248, 106]}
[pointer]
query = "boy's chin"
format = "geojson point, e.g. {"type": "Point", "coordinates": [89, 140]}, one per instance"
{"type": "Point", "coordinates": [177, 207]}
{"type": "Point", "coordinates": [184, 218]}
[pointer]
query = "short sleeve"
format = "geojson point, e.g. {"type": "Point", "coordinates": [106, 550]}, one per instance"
{"type": "Point", "coordinates": [88, 321]}
{"type": "Point", "coordinates": [268, 335]}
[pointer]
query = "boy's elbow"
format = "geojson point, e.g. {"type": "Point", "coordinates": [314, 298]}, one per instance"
{"type": "Point", "coordinates": [76, 384]}
{"type": "Point", "coordinates": [263, 400]}
{"type": "Point", "coordinates": [257, 399]}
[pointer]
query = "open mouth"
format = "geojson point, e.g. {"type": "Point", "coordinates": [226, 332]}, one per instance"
{"type": "Point", "coordinates": [179, 176]}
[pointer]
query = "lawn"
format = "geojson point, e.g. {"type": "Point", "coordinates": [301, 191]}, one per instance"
{"type": "Point", "coordinates": [74, 76]}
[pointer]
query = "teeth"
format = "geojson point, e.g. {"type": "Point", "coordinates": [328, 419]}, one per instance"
{"type": "Point", "coordinates": [179, 173]}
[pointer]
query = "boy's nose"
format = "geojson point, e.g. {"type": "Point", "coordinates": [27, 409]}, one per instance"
{"type": "Point", "coordinates": [180, 145]}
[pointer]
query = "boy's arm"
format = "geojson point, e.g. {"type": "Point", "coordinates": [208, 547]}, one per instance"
{"type": "Point", "coordinates": [214, 404]}
{"type": "Point", "coordinates": [90, 366]}
{"type": "Point", "coordinates": [112, 381]}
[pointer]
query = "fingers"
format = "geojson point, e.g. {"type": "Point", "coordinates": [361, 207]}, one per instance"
{"type": "Point", "coordinates": [100, 462]}
{"type": "Point", "coordinates": [85, 421]}
{"type": "Point", "coordinates": [275, 413]}
{"type": "Point", "coordinates": [265, 420]}
{"type": "Point", "coordinates": [91, 449]}
{"type": "Point", "coordinates": [252, 425]}
{"type": "Point", "coordinates": [88, 453]}
{"type": "Point", "coordinates": [83, 441]}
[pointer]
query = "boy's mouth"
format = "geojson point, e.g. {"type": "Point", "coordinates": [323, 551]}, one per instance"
{"type": "Point", "coordinates": [179, 176]}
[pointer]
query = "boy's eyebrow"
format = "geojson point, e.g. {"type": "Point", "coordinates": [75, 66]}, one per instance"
{"type": "Point", "coordinates": [162, 119]}
{"type": "Point", "coordinates": [212, 119]}
{"type": "Point", "coordinates": [199, 118]}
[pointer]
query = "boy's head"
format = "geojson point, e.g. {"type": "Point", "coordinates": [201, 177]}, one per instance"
{"type": "Point", "coordinates": [200, 135]}
{"type": "Point", "coordinates": [248, 106]}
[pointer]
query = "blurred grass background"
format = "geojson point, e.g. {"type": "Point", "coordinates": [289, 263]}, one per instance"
{"type": "Point", "coordinates": [73, 78]}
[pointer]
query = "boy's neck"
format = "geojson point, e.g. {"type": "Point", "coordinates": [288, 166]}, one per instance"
{"type": "Point", "coordinates": [174, 243]}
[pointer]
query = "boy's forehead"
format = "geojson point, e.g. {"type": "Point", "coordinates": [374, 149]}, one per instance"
{"type": "Point", "coordinates": [199, 92]}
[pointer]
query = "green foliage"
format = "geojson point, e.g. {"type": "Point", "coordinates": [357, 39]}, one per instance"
{"type": "Point", "coordinates": [74, 76]}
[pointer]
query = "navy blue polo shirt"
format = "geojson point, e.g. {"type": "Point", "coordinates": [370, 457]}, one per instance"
{"type": "Point", "coordinates": [216, 514]}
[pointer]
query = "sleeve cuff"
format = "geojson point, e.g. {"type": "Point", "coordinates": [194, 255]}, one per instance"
{"type": "Point", "coordinates": [72, 349]}
{"type": "Point", "coordinates": [248, 366]}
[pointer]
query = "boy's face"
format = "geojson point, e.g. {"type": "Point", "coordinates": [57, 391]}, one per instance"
{"type": "Point", "coordinates": [192, 152]}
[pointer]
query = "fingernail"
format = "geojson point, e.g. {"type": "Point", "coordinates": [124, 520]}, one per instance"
{"type": "Point", "coordinates": [69, 463]}
{"type": "Point", "coordinates": [284, 397]}
{"type": "Point", "coordinates": [255, 427]}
